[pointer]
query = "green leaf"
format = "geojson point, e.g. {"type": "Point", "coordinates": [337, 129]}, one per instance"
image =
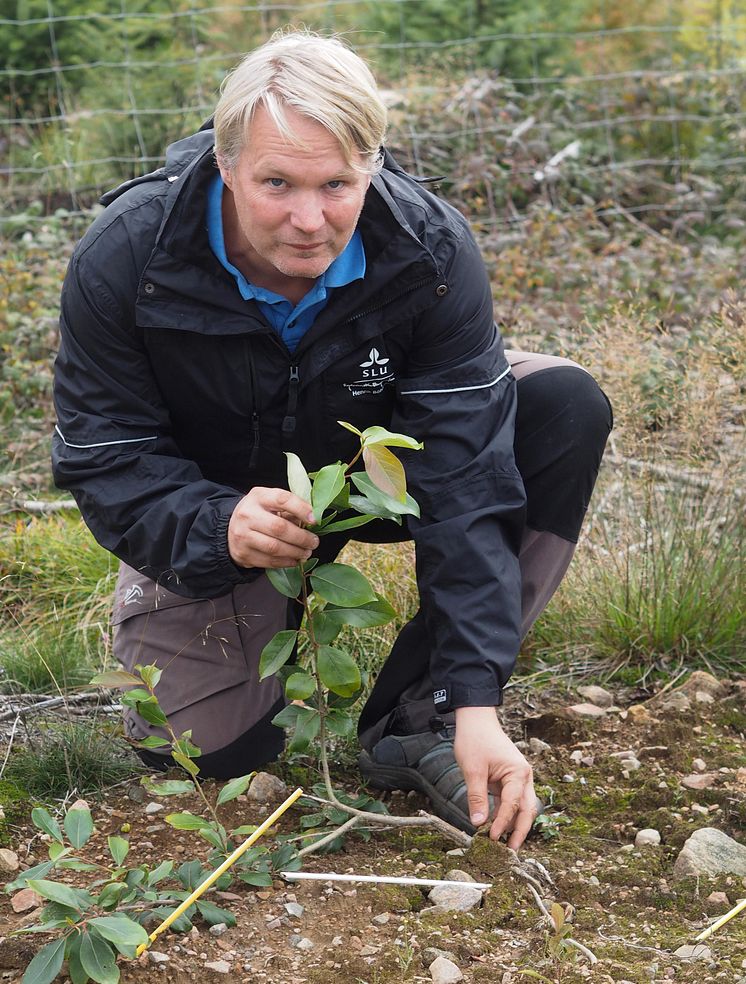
{"type": "Point", "coordinates": [236, 787]}
{"type": "Point", "coordinates": [327, 485]}
{"type": "Point", "coordinates": [342, 585]}
{"type": "Point", "coordinates": [46, 964]}
{"type": "Point", "coordinates": [168, 787]}
{"type": "Point", "coordinates": [339, 723]}
{"type": "Point", "coordinates": [300, 686]}
{"type": "Point", "coordinates": [370, 490]}
{"type": "Point", "coordinates": [213, 915]}
{"type": "Point", "coordinates": [364, 505]}
{"type": "Point", "coordinates": [338, 671]}
{"type": "Point", "coordinates": [138, 695]}
{"type": "Point", "coordinates": [150, 711]}
{"type": "Point", "coordinates": [41, 819]}
{"type": "Point", "coordinates": [74, 966]}
{"type": "Point", "coordinates": [163, 870]}
{"type": "Point", "coordinates": [287, 717]}
{"type": "Point", "coordinates": [57, 850]}
{"type": "Point", "coordinates": [378, 612]}
{"type": "Point", "coordinates": [306, 728]}
{"type": "Point", "coordinates": [261, 879]}
{"type": "Point", "coordinates": [114, 678]}
{"type": "Point", "coordinates": [111, 894]}
{"type": "Point", "coordinates": [97, 959]}
{"type": "Point", "coordinates": [190, 874]}
{"type": "Point", "coordinates": [186, 746]}
{"type": "Point", "coordinates": [120, 930]}
{"type": "Point", "coordinates": [287, 580]}
{"type": "Point", "coordinates": [152, 741]}
{"type": "Point", "coordinates": [379, 435]}
{"type": "Point", "coordinates": [347, 524]}
{"type": "Point", "coordinates": [350, 427]}
{"type": "Point", "coordinates": [118, 848]}
{"type": "Point", "coordinates": [298, 480]}
{"type": "Point", "coordinates": [38, 871]}
{"type": "Point", "coordinates": [324, 629]}
{"type": "Point", "coordinates": [78, 827]}
{"type": "Point", "coordinates": [244, 830]}
{"type": "Point", "coordinates": [213, 838]}
{"type": "Point", "coordinates": [385, 471]}
{"type": "Point", "coordinates": [75, 898]}
{"type": "Point", "coordinates": [186, 821]}
{"type": "Point", "coordinates": [277, 652]}
{"type": "Point", "coordinates": [185, 762]}
{"type": "Point", "coordinates": [150, 674]}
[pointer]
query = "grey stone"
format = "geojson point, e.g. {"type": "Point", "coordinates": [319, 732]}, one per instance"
{"type": "Point", "coordinates": [8, 861]}
{"type": "Point", "coordinates": [699, 765]}
{"type": "Point", "coordinates": [431, 953]}
{"type": "Point", "coordinates": [456, 874]}
{"type": "Point", "coordinates": [710, 852]}
{"type": "Point", "coordinates": [304, 944]}
{"type": "Point", "coordinates": [156, 957]}
{"type": "Point", "coordinates": [596, 695]}
{"type": "Point", "coordinates": [676, 702]}
{"type": "Point", "coordinates": [702, 682]}
{"type": "Point", "coordinates": [218, 929]}
{"type": "Point", "coordinates": [219, 966]}
{"type": "Point", "coordinates": [536, 746]}
{"type": "Point", "coordinates": [587, 710]}
{"type": "Point", "coordinates": [294, 909]}
{"type": "Point", "coordinates": [152, 808]}
{"type": "Point", "coordinates": [381, 919]}
{"type": "Point", "coordinates": [454, 898]}
{"type": "Point", "coordinates": [696, 952]}
{"type": "Point", "coordinates": [266, 788]}
{"type": "Point", "coordinates": [445, 971]}
{"type": "Point", "coordinates": [647, 838]}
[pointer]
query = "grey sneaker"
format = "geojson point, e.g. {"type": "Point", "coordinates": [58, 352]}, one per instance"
{"type": "Point", "coordinates": [424, 762]}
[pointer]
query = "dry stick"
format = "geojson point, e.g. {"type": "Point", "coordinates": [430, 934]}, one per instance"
{"type": "Point", "coordinates": [10, 744]}
{"type": "Point", "coordinates": [672, 474]}
{"type": "Point", "coordinates": [517, 868]}
{"type": "Point", "coordinates": [48, 704]}
{"type": "Point", "coordinates": [32, 506]}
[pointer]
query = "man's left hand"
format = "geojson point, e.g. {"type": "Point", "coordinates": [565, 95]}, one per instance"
{"type": "Point", "coordinates": [490, 762]}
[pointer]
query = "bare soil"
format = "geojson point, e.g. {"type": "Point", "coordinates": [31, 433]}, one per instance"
{"type": "Point", "coordinates": [624, 903]}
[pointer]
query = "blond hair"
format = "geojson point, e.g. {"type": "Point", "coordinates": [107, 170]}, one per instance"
{"type": "Point", "coordinates": [320, 78]}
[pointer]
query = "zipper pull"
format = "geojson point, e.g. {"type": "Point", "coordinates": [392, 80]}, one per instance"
{"type": "Point", "coordinates": [288, 424]}
{"type": "Point", "coordinates": [255, 445]}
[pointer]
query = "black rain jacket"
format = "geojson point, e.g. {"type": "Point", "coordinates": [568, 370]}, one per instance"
{"type": "Point", "coordinates": [174, 397]}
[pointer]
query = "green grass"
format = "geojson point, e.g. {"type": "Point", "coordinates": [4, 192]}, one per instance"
{"type": "Point", "coordinates": [82, 756]}
{"type": "Point", "coordinates": [661, 580]}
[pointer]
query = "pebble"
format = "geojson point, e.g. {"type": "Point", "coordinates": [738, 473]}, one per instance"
{"type": "Point", "coordinates": [455, 898]}
{"type": "Point", "coordinates": [647, 838]}
{"type": "Point", "coordinates": [431, 953]}
{"type": "Point", "coordinates": [265, 788]}
{"type": "Point", "coordinates": [294, 909]}
{"type": "Point", "coordinates": [304, 943]}
{"type": "Point", "coordinates": [25, 900]}
{"type": "Point", "coordinates": [718, 898]}
{"type": "Point", "coordinates": [700, 780]}
{"type": "Point", "coordinates": [596, 695]}
{"type": "Point", "coordinates": [219, 966]}
{"type": "Point", "coordinates": [218, 929]}
{"type": "Point", "coordinates": [677, 702]}
{"type": "Point", "coordinates": [274, 923]}
{"type": "Point", "coordinates": [457, 852]}
{"type": "Point", "coordinates": [696, 952]}
{"type": "Point", "coordinates": [8, 861]}
{"type": "Point", "coordinates": [702, 682]}
{"type": "Point", "coordinates": [699, 765]}
{"type": "Point", "coordinates": [586, 710]}
{"type": "Point", "coordinates": [536, 746]}
{"type": "Point", "coordinates": [444, 971]}
{"type": "Point", "coordinates": [381, 919]}
{"type": "Point", "coordinates": [156, 957]}
{"type": "Point", "coordinates": [594, 881]}
{"type": "Point", "coordinates": [639, 714]}
{"type": "Point", "coordinates": [153, 808]}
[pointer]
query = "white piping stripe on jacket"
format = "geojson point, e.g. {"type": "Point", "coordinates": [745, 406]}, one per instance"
{"type": "Point", "coordinates": [103, 444]}
{"type": "Point", "coordinates": [459, 389]}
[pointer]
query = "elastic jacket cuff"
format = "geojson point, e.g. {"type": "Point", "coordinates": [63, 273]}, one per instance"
{"type": "Point", "coordinates": [449, 697]}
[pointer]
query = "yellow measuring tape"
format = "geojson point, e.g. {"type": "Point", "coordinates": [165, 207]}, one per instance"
{"type": "Point", "coordinates": [230, 860]}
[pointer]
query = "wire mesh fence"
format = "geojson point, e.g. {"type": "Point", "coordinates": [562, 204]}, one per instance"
{"type": "Point", "coordinates": [630, 107]}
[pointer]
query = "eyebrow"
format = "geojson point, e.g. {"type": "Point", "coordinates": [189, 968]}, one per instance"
{"type": "Point", "coordinates": [279, 171]}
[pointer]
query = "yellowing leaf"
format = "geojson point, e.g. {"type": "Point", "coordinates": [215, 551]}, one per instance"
{"type": "Point", "coordinates": [385, 471]}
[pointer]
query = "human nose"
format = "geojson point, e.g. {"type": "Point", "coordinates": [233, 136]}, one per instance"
{"type": "Point", "coordinates": [307, 214]}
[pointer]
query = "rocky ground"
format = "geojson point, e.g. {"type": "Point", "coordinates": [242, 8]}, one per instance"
{"type": "Point", "coordinates": [643, 846]}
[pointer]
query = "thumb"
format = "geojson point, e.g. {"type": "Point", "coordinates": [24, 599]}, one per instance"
{"type": "Point", "coordinates": [477, 797]}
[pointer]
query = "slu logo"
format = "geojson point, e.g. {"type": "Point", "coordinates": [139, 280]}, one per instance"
{"type": "Point", "coordinates": [375, 373]}
{"type": "Point", "coordinates": [133, 595]}
{"type": "Point", "coordinates": [375, 367]}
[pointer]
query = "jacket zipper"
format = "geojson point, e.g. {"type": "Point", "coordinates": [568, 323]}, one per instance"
{"type": "Point", "coordinates": [288, 424]}
{"type": "Point", "coordinates": [390, 300]}
{"type": "Point", "coordinates": [254, 456]}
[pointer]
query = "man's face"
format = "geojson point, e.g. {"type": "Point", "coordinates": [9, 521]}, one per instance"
{"type": "Point", "coordinates": [293, 209]}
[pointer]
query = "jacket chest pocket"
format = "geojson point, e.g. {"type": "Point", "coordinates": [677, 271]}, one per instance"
{"type": "Point", "coordinates": [361, 389]}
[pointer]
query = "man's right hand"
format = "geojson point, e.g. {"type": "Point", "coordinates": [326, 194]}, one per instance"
{"type": "Point", "coordinates": [265, 529]}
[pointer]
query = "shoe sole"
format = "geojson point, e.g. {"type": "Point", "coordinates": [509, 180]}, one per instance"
{"type": "Point", "coordinates": [391, 777]}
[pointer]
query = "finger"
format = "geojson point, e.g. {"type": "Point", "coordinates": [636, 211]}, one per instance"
{"type": "Point", "coordinates": [286, 534]}
{"type": "Point", "coordinates": [476, 794]}
{"type": "Point", "coordinates": [268, 551]}
{"type": "Point", "coordinates": [524, 820]}
{"type": "Point", "coordinates": [280, 500]}
{"type": "Point", "coordinates": [511, 796]}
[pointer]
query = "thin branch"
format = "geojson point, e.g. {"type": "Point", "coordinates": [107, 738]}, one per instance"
{"type": "Point", "coordinates": [49, 703]}
{"type": "Point", "coordinates": [339, 832]}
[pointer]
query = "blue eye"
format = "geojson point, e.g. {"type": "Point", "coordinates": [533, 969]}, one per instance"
{"type": "Point", "coordinates": [335, 185]}
{"type": "Point", "coordinates": [275, 182]}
